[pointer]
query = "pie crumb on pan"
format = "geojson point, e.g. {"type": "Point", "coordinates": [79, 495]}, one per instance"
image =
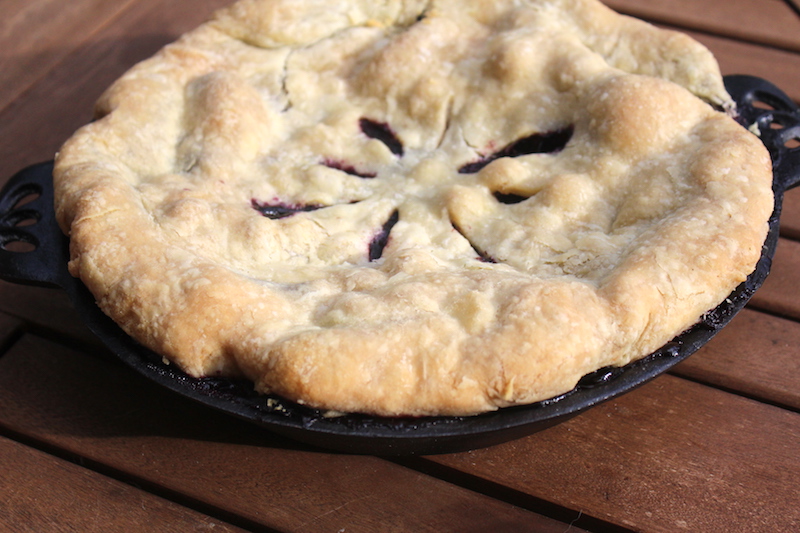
{"type": "Point", "coordinates": [414, 207]}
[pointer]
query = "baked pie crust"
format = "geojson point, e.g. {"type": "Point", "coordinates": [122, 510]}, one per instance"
{"type": "Point", "coordinates": [414, 207]}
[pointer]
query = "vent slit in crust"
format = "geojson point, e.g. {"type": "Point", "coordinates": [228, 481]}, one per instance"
{"type": "Point", "coordinates": [383, 133]}
{"type": "Point", "coordinates": [482, 255]}
{"type": "Point", "coordinates": [380, 240]}
{"type": "Point", "coordinates": [550, 142]}
{"type": "Point", "coordinates": [509, 198]}
{"type": "Point", "coordinates": [280, 210]}
{"type": "Point", "coordinates": [348, 169]}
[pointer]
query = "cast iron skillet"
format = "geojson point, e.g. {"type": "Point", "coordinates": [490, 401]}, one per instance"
{"type": "Point", "coordinates": [33, 223]}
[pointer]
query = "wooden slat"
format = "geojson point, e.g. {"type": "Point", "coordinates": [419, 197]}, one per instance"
{"type": "Point", "coordinates": [756, 355]}
{"type": "Point", "coordinates": [780, 67]}
{"type": "Point", "coordinates": [113, 417]}
{"type": "Point", "coordinates": [671, 456]}
{"type": "Point", "coordinates": [781, 291]}
{"type": "Point", "coordinates": [9, 327]}
{"type": "Point", "coordinates": [34, 36]}
{"type": "Point", "coordinates": [769, 22]}
{"type": "Point", "coordinates": [42, 493]}
{"type": "Point", "coordinates": [45, 309]}
{"type": "Point", "coordinates": [790, 218]}
{"type": "Point", "coordinates": [33, 127]}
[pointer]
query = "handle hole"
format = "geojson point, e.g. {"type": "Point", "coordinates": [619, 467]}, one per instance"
{"type": "Point", "coordinates": [28, 198]}
{"type": "Point", "coordinates": [19, 247]}
{"type": "Point", "coordinates": [760, 104]}
{"type": "Point", "coordinates": [791, 144]}
{"type": "Point", "coordinates": [29, 221]}
{"type": "Point", "coordinates": [17, 241]}
{"type": "Point", "coordinates": [20, 218]}
{"type": "Point", "coordinates": [767, 101]}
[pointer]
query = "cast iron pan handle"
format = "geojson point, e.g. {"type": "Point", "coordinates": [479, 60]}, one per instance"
{"type": "Point", "coordinates": [764, 107]}
{"type": "Point", "coordinates": [33, 250]}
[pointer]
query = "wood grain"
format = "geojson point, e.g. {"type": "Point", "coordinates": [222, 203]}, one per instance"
{"type": "Point", "coordinates": [671, 456]}
{"type": "Point", "coordinates": [34, 127]}
{"type": "Point", "coordinates": [48, 312]}
{"type": "Point", "coordinates": [43, 493]}
{"type": "Point", "coordinates": [778, 66]}
{"type": "Point", "coordinates": [780, 293]}
{"type": "Point", "coordinates": [10, 328]}
{"type": "Point", "coordinates": [756, 355]}
{"type": "Point", "coordinates": [790, 218]}
{"type": "Point", "coordinates": [770, 22]}
{"type": "Point", "coordinates": [110, 416]}
{"type": "Point", "coordinates": [35, 36]}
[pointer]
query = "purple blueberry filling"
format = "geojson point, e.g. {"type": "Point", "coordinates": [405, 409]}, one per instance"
{"type": "Point", "coordinates": [379, 241]}
{"type": "Point", "coordinates": [281, 210]}
{"type": "Point", "coordinates": [482, 255]}
{"type": "Point", "coordinates": [504, 198]}
{"type": "Point", "coordinates": [539, 143]}
{"type": "Point", "coordinates": [348, 169]}
{"type": "Point", "coordinates": [383, 133]}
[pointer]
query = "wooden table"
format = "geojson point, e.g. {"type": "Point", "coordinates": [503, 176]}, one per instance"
{"type": "Point", "coordinates": [88, 445]}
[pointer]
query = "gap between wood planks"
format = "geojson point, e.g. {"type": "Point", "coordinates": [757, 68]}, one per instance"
{"type": "Point", "coordinates": [794, 5]}
{"type": "Point", "coordinates": [741, 31]}
{"type": "Point", "coordinates": [134, 481]}
{"type": "Point", "coordinates": [694, 32]}
{"type": "Point", "coordinates": [575, 519]}
{"type": "Point", "coordinates": [572, 520]}
{"type": "Point", "coordinates": [11, 331]}
{"type": "Point", "coordinates": [733, 391]}
{"type": "Point", "coordinates": [44, 492]}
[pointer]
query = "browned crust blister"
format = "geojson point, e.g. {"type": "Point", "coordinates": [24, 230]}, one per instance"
{"type": "Point", "coordinates": [411, 208]}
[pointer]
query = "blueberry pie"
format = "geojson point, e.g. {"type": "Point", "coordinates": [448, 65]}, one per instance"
{"type": "Point", "coordinates": [414, 207]}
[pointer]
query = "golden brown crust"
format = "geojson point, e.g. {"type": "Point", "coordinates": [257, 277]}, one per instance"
{"type": "Point", "coordinates": [557, 195]}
